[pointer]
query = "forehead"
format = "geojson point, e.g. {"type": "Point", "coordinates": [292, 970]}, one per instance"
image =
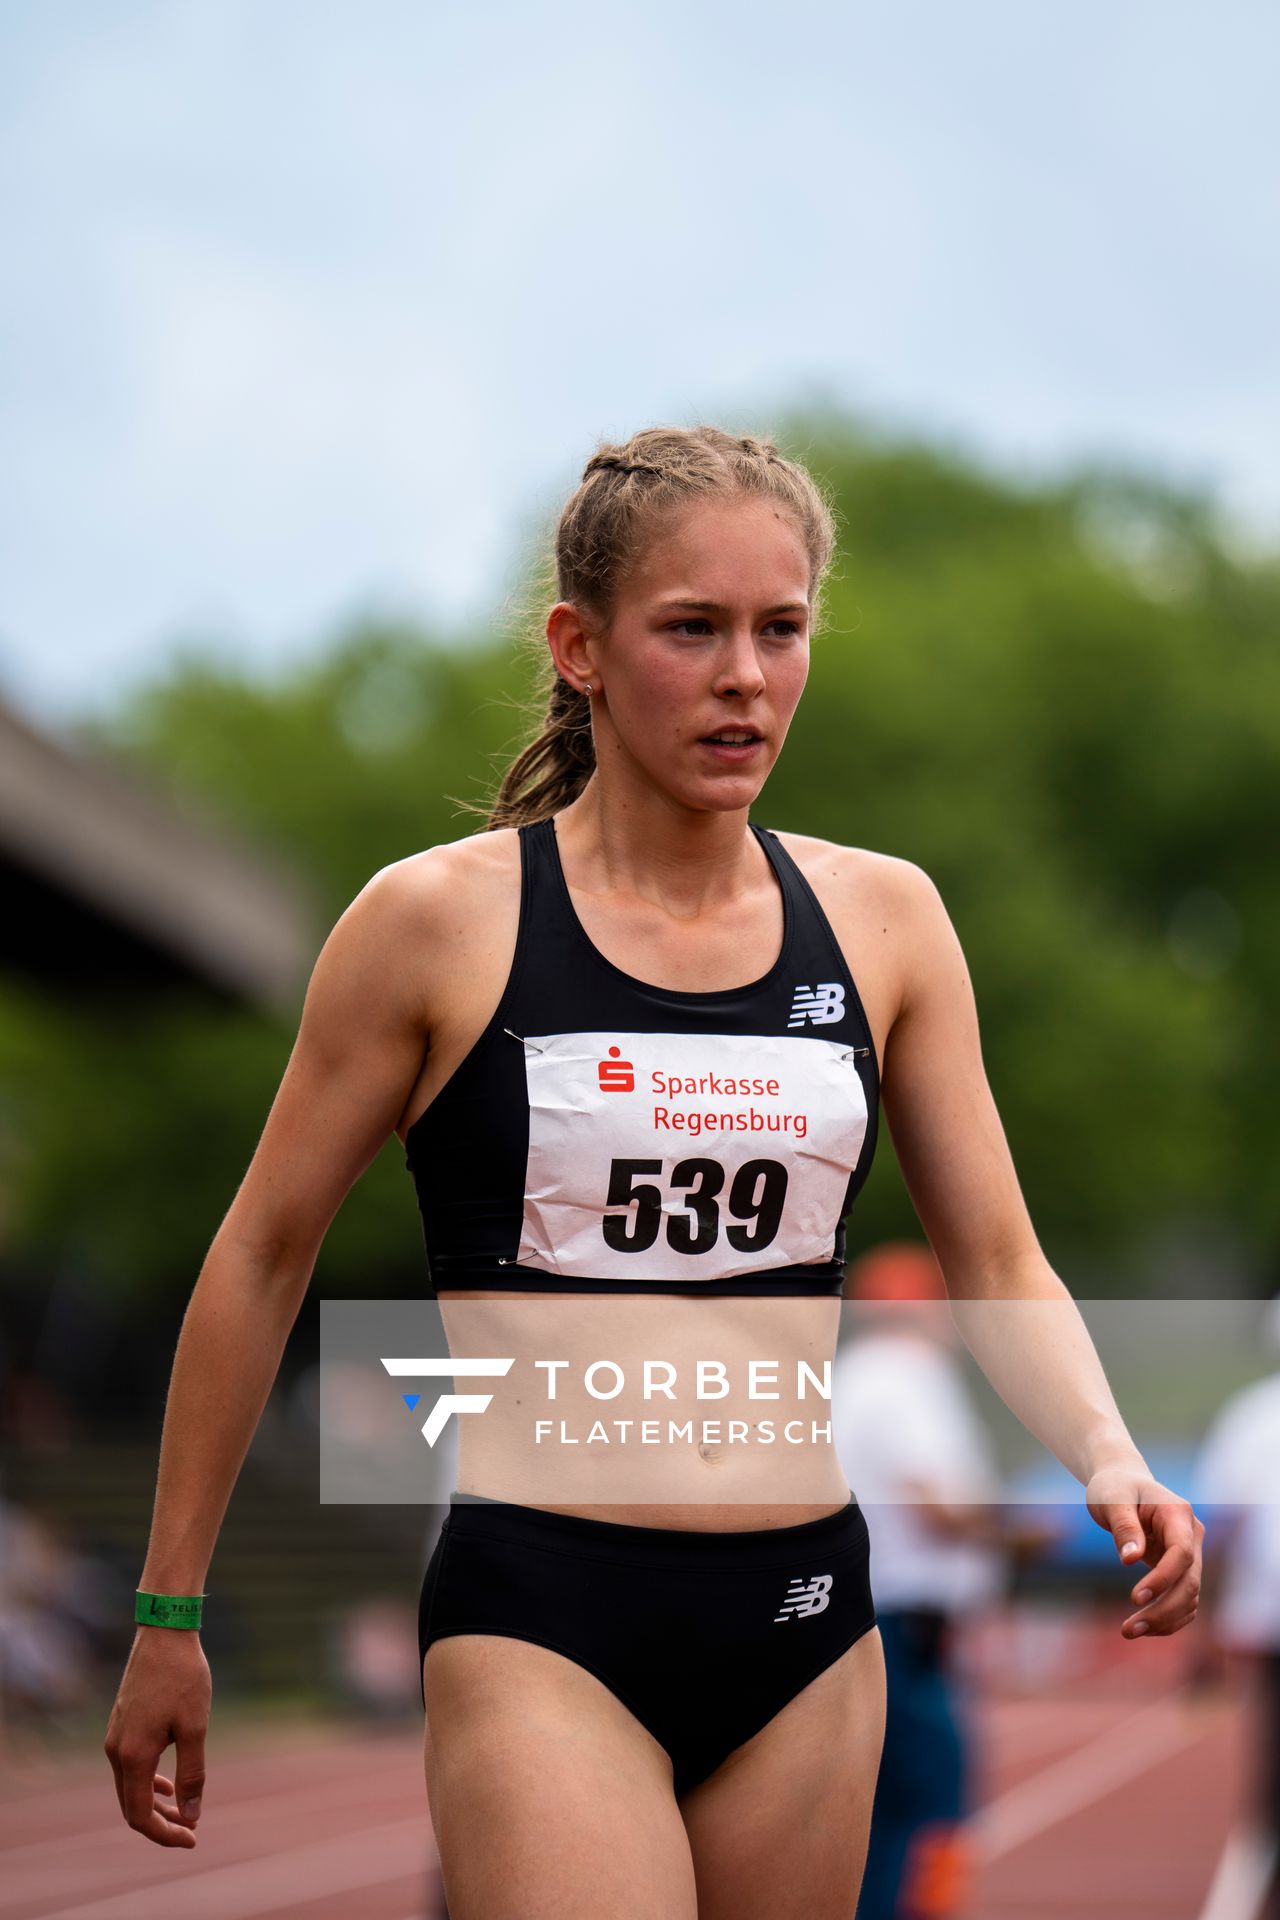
{"type": "Point", "coordinates": [724, 549]}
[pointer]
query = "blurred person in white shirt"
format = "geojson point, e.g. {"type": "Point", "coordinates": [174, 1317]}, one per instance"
{"type": "Point", "coordinates": [920, 1462]}
{"type": "Point", "coordinates": [1237, 1472]}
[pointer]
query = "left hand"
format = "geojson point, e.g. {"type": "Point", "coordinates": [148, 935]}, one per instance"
{"type": "Point", "coordinates": [1158, 1528]}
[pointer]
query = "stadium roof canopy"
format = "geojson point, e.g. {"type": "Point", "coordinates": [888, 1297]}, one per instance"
{"type": "Point", "coordinates": [105, 886]}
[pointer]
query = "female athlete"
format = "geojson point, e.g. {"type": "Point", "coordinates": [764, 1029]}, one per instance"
{"type": "Point", "coordinates": [620, 1037]}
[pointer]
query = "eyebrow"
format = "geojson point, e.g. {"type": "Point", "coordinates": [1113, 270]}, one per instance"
{"type": "Point", "coordinates": [714, 606]}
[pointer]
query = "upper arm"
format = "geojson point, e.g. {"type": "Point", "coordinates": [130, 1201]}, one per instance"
{"type": "Point", "coordinates": [357, 1055]}
{"type": "Point", "coordinates": [946, 1131]}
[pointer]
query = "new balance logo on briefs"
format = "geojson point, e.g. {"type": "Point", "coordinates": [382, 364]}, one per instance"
{"type": "Point", "coordinates": [818, 1005]}
{"type": "Point", "coordinates": [805, 1597]}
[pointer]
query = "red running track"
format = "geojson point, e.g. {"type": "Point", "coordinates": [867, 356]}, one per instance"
{"type": "Point", "coordinates": [1112, 1791]}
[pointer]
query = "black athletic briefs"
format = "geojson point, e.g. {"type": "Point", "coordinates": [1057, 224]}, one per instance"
{"type": "Point", "coordinates": [704, 1636]}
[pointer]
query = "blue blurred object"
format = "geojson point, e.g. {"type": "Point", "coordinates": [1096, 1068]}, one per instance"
{"type": "Point", "coordinates": [1045, 1492]}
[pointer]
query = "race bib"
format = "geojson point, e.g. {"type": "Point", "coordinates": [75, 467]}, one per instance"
{"type": "Point", "coordinates": [660, 1156]}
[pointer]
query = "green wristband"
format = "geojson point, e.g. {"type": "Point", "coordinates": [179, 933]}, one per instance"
{"type": "Point", "coordinates": [167, 1609]}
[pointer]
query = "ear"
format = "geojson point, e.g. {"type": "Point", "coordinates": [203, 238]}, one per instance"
{"type": "Point", "coordinates": [575, 652]}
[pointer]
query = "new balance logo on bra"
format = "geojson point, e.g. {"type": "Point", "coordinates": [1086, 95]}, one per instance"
{"type": "Point", "coordinates": [818, 1005]}
{"type": "Point", "coordinates": [804, 1597]}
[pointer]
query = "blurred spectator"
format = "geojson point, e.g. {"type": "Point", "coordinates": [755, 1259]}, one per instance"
{"type": "Point", "coordinates": [1238, 1475]}
{"type": "Point", "coordinates": [375, 1659]}
{"type": "Point", "coordinates": [58, 1612]}
{"type": "Point", "coordinates": [918, 1458]}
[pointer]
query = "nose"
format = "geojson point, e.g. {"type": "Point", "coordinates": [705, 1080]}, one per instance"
{"type": "Point", "coordinates": [738, 670]}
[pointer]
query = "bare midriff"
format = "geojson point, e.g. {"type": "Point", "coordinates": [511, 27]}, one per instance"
{"type": "Point", "coordinates": [604, 1409]}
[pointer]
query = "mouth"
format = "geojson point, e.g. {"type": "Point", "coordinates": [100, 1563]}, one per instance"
{"type": "Point", "coordinates": [733, 743]}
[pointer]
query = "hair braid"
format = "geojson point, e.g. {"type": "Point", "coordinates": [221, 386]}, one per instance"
{"type": "Point", "coordinates": [555, 766]}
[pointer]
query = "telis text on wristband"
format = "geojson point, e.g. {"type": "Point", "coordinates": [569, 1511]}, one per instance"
{"type": "Point", "coordinates": [167, 1609]}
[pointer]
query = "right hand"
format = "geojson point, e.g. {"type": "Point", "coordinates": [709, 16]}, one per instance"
{"type": "Point", "coordinates": [164, 1696]}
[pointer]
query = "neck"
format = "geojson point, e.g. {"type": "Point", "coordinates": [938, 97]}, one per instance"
{"type": "Point", "coordinates": [647, 844]}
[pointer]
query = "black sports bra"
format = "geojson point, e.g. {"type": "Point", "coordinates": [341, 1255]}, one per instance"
{"type": "Point", "coordinates": [608, 1136]}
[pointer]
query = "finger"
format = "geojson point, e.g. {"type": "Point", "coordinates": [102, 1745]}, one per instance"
{"type": "Point", "coordinates": [166, 1804]}
{"type": "Point", "coordinates": [1127, 1531]}
{"type": "Point", "coordinates": [165, 1833]}
{"type": "Point", "coordinates": [1168, 1582]}
{"type": "Point", "coordinates": [189, 1772]}
{"type": "Point", "coordinates": [164, 1798]}
{"type": "Point", "coordinates": [1173, 1566]}
{"type": "Point", "coordinates": [1158, 1611]}
{"type": "Point", "coordinates": [1139, 1628]}
{"type": "Point", "coordinates": [140, 1809]}
{"type": "Point", "coordinates": [1181, 1599]}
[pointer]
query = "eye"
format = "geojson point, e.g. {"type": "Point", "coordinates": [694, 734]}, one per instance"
{"type": "Point", "coordinates": [788, 627]}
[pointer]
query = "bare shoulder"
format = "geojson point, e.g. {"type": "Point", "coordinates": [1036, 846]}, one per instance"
{"type": "Point", "coordinates": [452, 871]}
{"type": "Point", "coordinates": [437, 907]}
{"type": "Point", "coordinates": [887, 875]}
{"type": "Point", "coordinates": [425, 890]}
{"type": "Point", "coordinates": [861, 881]}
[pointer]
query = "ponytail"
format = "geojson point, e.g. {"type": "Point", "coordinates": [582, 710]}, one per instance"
{"type": "Point", "coordinates": [554, 768]}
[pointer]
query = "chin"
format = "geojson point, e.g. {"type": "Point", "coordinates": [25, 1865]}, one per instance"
{"type": "Point", "coordinates": [725, 796]}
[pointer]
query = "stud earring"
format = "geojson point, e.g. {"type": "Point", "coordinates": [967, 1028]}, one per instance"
{"type": "Point", "coordinates": [588, 688]}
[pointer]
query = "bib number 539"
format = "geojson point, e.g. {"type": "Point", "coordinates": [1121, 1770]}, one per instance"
{"type": "Point", "coordinates": [755, 1199]}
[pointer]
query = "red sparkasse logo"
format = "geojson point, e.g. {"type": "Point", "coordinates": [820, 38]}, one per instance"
{"type": "Point", "coordinates": [616, 1075]}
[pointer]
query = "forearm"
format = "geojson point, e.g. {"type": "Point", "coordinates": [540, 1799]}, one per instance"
{"type": "Point", "coordinates": [1026, 1333]}
{"type": "Point", "coordinates": [228, 1354]}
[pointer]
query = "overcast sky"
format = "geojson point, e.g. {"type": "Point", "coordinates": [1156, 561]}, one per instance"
{"type": "Point", "coordinates": [314, 308]}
